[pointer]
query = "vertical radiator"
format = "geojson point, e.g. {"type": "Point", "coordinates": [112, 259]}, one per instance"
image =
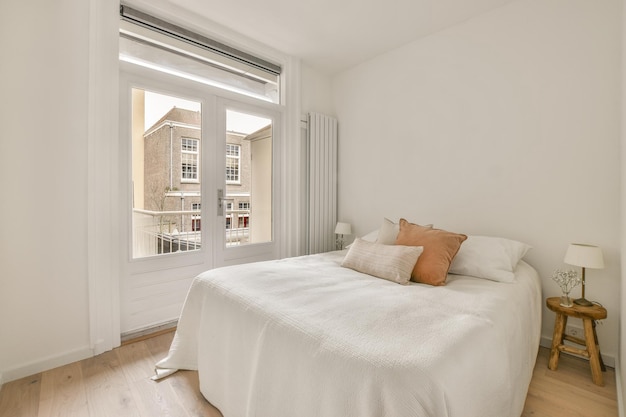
{"type": "Point", "coordinates": [322, 178]}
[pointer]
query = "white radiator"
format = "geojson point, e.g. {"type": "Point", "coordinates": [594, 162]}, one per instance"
{"type": "Point", "coordinates": [322, 177]}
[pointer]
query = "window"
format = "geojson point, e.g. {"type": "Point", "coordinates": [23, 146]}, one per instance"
{"type": "Point", "coordinates": [164, 184]}
{"type": "Point", "coordinates": [233, 157]}
{"type": "Point", "coordinates": [244, 221]}
{"type": "Point", "coordinates": [166, 163]}
{"type": "Point", "coordinates": [229, 214]}
{"type": "Point", "coordinates": [243, 217]}
{"type": "Point", "coordinates": [195, 218]}
{"type": "Point", "coordinates": [189, 159]}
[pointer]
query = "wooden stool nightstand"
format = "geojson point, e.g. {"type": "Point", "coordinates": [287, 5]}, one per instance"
{"type": "Point", "coordinates": [588, 315]}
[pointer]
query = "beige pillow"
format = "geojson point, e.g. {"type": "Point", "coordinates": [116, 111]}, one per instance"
{"type": "Point", "coordinates": [390, 262]}
{"type": "Point", "coordinates": [388, 232]}
{"type": "Point", "coordinates": [440, 247]}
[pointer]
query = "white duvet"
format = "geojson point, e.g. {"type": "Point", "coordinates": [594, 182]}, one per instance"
{"type": "Point", "coordinates": [304, 337]}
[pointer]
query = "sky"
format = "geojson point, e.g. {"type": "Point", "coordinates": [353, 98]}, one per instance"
{"type": "Point", "coordinates": [156, 105]}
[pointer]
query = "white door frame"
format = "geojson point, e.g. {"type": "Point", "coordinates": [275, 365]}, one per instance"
{"type": "Point", "coordinates": [103, 205]}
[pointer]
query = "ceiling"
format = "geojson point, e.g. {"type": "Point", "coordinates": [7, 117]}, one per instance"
{"type": "Point", "coordinates": [334, 35]}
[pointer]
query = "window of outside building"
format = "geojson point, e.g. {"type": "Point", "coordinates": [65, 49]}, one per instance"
{"type": "Point", "coordinates": [229, 214]}
{"type": "Point", "coordinates": [233, 156]}
{"type": "Point", "coordinates": [244, 218]}
{"type": "Point", "coordinates": [189, 159]}
{"type": "Point", "coordinates": [244, 221]}
{"type": "Point", "coordinates": [195, 218]}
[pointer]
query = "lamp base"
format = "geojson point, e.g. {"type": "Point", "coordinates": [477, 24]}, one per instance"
{"type": "Point", "coordinates": [583, 302]}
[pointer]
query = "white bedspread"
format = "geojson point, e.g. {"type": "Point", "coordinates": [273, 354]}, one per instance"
{"type": "Point", "coordinates": [304, 337]}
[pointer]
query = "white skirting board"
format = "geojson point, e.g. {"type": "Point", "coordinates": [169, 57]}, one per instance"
{"type": "Point", "coordinates": [44, 364]}
{"type": "Point", "coordinates": [620, 389]}
{"type": "Point", "coordinates": [148, 330]}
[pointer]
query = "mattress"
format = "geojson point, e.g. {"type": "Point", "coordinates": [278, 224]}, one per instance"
{"type": "Point", "coordinates": [306, 337]}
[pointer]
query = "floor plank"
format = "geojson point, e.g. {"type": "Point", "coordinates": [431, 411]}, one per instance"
{"type": "Point", "coordinates": [108, 390]}
{"type": "Point", "coordinates": [186, 386]}
{"type": "Point", "coordinates": [137, 361]}
{"type": "Point", "coordinates": [158, 399]}
{"type": "Point", "coordinates": [20, 398]}
{"type": "Point", "coordinates": [569, 391]}
{"type": "Point", "coordinates": [160, 346]}
{"type": "Point", "coordinates": [117, 383]}
{"type": "Point", "coordinates": [63, 392]}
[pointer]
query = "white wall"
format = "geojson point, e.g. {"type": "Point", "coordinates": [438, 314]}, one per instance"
{"type": "Point", "coordinates": [43, 287]}
{"type": "Point", "coordinates": [506, 125]}
{"type": "Point", "coordinates": [316, 91]}
{"type": "Point", "coordinates": [316, 96]}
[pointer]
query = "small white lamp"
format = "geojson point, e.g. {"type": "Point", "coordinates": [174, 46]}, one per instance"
{"type": "Point", "coordinates": [342, 229]}
{"type": "Point", "coordinates": [585, 256]}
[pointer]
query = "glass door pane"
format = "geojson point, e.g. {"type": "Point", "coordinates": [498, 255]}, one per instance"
{"type": "Point", "coordinates": [166, 190]}
{"type": "Point", "coordinates": [248, 200]}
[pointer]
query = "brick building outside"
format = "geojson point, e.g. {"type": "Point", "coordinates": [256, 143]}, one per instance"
{"type": "Point", "coordinates": [172, 173]}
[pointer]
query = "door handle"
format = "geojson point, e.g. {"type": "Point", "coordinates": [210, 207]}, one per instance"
{"type": "Point", "coordinates": [221, 201]}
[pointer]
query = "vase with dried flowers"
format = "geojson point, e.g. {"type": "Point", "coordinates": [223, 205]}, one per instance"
{"type": "Point", "coordinates": [566, 280]}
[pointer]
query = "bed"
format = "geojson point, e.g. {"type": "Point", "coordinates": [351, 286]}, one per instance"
{"type": "Point", "coordinates": [308, 337]}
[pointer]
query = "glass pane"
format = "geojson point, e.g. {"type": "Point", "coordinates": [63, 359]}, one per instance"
{"type": "Point", "coordinates": [248, 179]}
{"type": "Point", "coordinates": [166, 135]}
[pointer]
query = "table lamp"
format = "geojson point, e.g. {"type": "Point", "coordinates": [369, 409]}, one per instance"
{"type": "Point", "coordinates": [585, 256]}
{"type": "Point", "coordinates": [342, 229]}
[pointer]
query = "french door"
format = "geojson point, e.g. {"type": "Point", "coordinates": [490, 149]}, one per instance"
{"type": "Point", "coordinates": [198, 188]}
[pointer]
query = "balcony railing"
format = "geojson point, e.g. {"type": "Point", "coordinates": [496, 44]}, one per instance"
{"type": "Point", "coordinates": [162, 232]}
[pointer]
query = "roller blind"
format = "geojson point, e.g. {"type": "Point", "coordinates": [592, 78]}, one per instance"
{"type": "Point", "coordinates": [152, 42]}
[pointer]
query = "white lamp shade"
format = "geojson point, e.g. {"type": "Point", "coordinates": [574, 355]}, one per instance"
{"type": "Point", "coordinates": [587, 256]}
{"type": "Point", "coordinates": [343, 229]}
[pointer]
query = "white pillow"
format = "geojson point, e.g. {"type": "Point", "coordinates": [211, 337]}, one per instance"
{"type": "Point", "coordinates": [488, 257]}
{"type": "Point", "coordinates": [390, 262]}
{"type": "Point", "coordinates": [388, 232]}
{"type": "Point", "coordinates": [371, 236]}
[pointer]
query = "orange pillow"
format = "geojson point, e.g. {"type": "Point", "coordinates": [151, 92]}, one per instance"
{"type": "Point", "coordinates": [440, 247]}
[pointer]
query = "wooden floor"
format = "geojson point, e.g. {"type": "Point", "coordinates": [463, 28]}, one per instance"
{"type": "Point", "coordinates": [569, 391]}
{"type": "Point", "coordinates": [117, 384]}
